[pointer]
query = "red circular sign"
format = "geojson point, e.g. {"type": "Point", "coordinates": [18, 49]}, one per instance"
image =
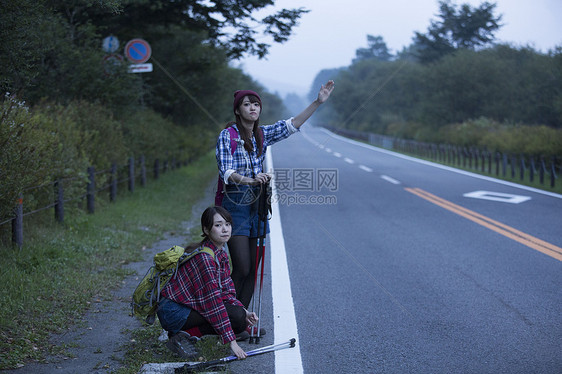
{"type": "Point", "coordinates": [138, 51]}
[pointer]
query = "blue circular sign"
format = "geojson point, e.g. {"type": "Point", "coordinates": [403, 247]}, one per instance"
{"type": "Point", "coordinates": [138, 51]}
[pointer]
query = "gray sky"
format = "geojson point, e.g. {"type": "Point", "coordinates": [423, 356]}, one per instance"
{"type": "Point", "coordinates": [329, 34]}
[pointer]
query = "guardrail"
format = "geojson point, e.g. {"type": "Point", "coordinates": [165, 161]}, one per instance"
{"type": "Point", "coordinates": [82, 187]}
{"type": "Point", "coordinates": [473, 158]}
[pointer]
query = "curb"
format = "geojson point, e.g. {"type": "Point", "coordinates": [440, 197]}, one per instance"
{"type": "Point", "coordinates": [166, 368]}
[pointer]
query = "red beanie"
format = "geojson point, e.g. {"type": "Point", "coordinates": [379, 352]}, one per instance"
{"type": "Point", "coordinates": [239, 95]}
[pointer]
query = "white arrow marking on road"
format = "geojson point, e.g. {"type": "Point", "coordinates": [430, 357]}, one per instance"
{"type": "Point", "coordinates": [498, 196]}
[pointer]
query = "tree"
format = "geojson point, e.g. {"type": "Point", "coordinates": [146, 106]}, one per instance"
{"type": "Point", "coordinates": [376, 49]}
{"type": "Point", "coordinates": [231, 25]}
{"type": "Point", "coordinates": [461, 27]}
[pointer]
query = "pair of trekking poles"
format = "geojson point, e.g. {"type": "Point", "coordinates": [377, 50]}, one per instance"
{"type": "Point", "coordinates": [264, 207]}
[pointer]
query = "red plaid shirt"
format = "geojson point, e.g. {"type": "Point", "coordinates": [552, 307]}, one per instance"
{"type": "Point", "coordinates": [204, 284]}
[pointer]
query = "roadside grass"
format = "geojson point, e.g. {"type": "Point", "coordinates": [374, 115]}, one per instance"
{"type": "Point", "coordinates": [49, 283]}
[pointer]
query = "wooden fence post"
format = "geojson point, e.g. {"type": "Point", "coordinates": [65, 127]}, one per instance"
{"type": "Point", "coordinates": [91, 190]}
{"type": "Point", "coordinates": [59, 201]}
{"type": "Point", "coordinates": [17, 223]}
{"type": "Point", "coordinates": [131, 174]}
{"type": "Point", "coordinates": [113, 187]}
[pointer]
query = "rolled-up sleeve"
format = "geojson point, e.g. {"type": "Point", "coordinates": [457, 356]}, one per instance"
{"type": "Point", "coordinates": [223, 154]}
{"type": "Point", "coordinates": [278, 131]}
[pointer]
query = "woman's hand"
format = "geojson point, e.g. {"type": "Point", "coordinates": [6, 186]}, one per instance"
{"type": "Point", "coordinates": [325, 91]}
{"type": "Point", "coordinates": [251, 318]}
{"type": "Point", "coordinates": [238, 352]}
{"type": "Point", "coordinates": [262, 178]}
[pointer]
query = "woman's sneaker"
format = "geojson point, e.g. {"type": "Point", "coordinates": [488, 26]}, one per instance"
{"type": "Point", "coordinates": [183, 344]}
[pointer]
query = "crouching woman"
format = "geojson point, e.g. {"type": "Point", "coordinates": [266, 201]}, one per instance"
{"type": "Point", "coordinates": [200, 299]}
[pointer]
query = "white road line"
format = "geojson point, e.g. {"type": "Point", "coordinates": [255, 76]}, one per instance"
{"type": "Point", "coordinates": [389, 179]}
{"type": "Point", "coordinates": [284, 318]}
{"type": "Point", "coordinates": [366, 168]}
{"type": "Point", "coordinates": [348, 160]}
{"type": "Point", "coordinates": [337, 154]}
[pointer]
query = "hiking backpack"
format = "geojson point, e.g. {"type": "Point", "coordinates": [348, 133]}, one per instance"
{"type": "Point", "coordinates": [166, 264]}
{"type": "Point", "coordinates": [233, 144]}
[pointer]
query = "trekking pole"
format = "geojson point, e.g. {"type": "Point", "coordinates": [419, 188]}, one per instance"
{"type": "Point", "coordinates": [262, 223]}
{"type": "Point", "coordinates": [252, 334]}
{"type": "Point", "coordinates": [257, 262]}
{"type": "Point", "coordinates": [191, 368]}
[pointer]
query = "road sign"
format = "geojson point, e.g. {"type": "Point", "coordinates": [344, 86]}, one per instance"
{"type": "Point", "coordinates": [140, 68]}
{"type": "Point", "coordinates": [110, 44]}
{"type": "Point", "coordinates": [111, 63]}
{"type": "Point", "coordinates": [138, 51]}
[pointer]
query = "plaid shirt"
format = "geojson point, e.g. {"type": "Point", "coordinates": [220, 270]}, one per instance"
{"type": "Point", "coordinates": [248, 165]}
{"type": "Point", "coordinates": [205, 287]}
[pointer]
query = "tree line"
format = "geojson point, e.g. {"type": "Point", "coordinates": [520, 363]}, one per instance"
{"type": "Point", "coordinates": [65, 107]}
{"type": "Point", "coordinates": [454, 85]}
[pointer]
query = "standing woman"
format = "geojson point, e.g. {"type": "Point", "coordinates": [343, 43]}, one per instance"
{"type": "Point", "coordinates": [242, 172]}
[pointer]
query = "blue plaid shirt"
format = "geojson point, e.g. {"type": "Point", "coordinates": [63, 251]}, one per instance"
{"type": "Point", "coordinates": [242, 162]}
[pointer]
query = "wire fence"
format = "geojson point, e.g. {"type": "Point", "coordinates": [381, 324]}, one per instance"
{"type": "Point", "coordinates": [531, 168]}
{"type": "Point", "coordinates": [86, 187]}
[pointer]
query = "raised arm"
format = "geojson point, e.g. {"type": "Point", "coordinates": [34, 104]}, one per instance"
{"type": "Point", "coordinates": [323, 95]}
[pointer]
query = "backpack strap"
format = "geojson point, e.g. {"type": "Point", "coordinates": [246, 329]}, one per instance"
{"type": "Point", "coordinates": [234, 136]}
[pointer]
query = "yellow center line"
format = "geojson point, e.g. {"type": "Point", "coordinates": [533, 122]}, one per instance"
{"type": "Point", "coordinates": [514, 234]}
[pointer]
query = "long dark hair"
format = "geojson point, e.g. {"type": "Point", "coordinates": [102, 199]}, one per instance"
{"type": "Point", "coordinates": [247, 137]}
{"type": "Point", "coordinates": [207, 220]}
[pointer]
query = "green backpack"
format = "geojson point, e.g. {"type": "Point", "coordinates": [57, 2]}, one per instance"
{"type": "Point", "coordinates": [147, 294]}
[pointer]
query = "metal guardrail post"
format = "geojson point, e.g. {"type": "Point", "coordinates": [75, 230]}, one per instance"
{"type": "Point", "coordinates": [532, 170]}
{"type": "Point", "coordinates": [542, 170]}
{"type": "Point", "coordinates": [553, 172]}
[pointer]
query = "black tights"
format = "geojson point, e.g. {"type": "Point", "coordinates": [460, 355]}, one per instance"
{"type": "Point", "coordinates": [236, 314]}
{"type": "Point", "coordinates": [243, 253]}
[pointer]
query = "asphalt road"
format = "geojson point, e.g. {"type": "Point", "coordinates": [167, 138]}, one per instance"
{"type": "Point", "coordinates": [394, 270]}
